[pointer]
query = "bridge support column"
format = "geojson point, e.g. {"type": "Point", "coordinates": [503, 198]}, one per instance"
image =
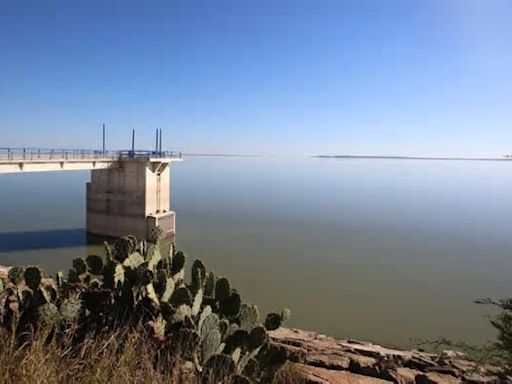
{"type": "Point", "coordinates": [131, 199]}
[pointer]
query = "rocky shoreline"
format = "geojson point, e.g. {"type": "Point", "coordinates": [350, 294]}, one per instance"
{"type": "Point", "coordinates": [322, 359]}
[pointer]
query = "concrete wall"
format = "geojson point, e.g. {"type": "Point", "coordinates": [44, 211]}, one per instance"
{"type": "Point", "coordinates": [130, 199]}
{"type": "Point", "coordinates": [157, 189]}
{"type": "Point", "coordinates": [54, 165]}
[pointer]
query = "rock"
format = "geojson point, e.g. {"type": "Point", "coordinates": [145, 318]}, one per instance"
{"type": "Point", "coordinates": [375, 351]}
{"type": "Point", "coordinates": [331, 361]}
{"type": "Point", "coordinates": [363, 365]}
{"type": "Point", "coordinates": [445, 369]}
{"type": "Point", "coordinates": [475, 378]}
{"type": "Point", "coordinates": [420, 362]}
{"type": "Point", "coordinates": [436, 378]}
{"type": "Point", "coordinates": [404, 375]}
{"type": "Point", "coordinates": [453, 354]}
{"type": "Point", "coordinates": [295, 354]}
{"type": "Point", "coordinates": [463, 365]}
{"type": "Point", "coordinates": [317, 375]}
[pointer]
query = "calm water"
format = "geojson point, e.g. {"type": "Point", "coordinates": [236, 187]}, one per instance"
{"type": "Point", "coordinates": [386, 250]}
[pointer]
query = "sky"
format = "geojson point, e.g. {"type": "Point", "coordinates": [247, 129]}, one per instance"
{"type": "Point", "coordinates": [270, 77]}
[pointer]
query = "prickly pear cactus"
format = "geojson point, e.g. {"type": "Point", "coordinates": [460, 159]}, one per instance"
{"type": "Point", "coordinates": [204, 319]}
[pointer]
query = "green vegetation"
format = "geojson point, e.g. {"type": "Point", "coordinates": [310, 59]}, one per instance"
{"type": "Point", "coordinates": [499, 353]}
{"type": "Point", "coordinates": [131, 316]}
{"type": "Point", "coordinates": [493, 354]}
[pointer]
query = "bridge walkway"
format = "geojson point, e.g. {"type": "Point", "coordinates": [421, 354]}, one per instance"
{"type": "Point", "coordinates": [17, 160]}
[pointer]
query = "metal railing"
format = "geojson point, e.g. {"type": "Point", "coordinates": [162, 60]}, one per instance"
{"type": "Point", "coordinates": [148, 154]}
{"type": "Point", "coordinates": [42, 154]}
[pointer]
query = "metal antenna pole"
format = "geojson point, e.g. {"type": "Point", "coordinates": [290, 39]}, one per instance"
{"type": "Point", "coordinates": [133, 142]}
{"type": "Point", "coordinates": [103, 137]}
{"type": "Point", "coordinates": [160, 140]}
{"type": "Point", "coordinates": [156, 145]}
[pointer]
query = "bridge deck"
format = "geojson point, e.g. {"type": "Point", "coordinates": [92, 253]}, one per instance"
{"type": "Point", "coordinates": [16, 160]}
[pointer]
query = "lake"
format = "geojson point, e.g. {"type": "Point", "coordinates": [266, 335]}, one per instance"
{"type": "Point", "coordinates": [383, 250]}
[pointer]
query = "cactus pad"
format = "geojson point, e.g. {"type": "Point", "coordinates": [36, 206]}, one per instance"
{"type": "Point", "coordinates": [182, 313]}
{"type": "Point", "coordinates": [154, 257]}
{"type": "Point", "coordinates": [198, 300]}
{"type": "Point", "coordinates": [15, 274]}
{"type": "Point", "coordinates": [257, 337]}
{"type": "Point", "coordinates": [209, 323]}
{"type": "Point", "coordinates": [198, 275]}
{"type": "Point", "coordinates": [210, 344]}
{"type": "Point", "coordinates": [273, 321]}
{"type": "Point", "coordinates": [60, 279]}
{"type": "Point", "coordinates": [181, 296]}
{"type": "Point", "coordinates": [249, 316]}
{"type": "Point", "coordinates": [230, 307]}
{"type": "Point", "coordinates": [222, 289]}
{"type": "Point", "coordinates": [286, 314]}
{"type": "Point", "coordinates": [48, 313]}
{"type": "Point", "coordinates": [169, 289]}
{"type": "Point", "coordinates": [94, 264]}
{"type": "Point", "coordinates": [207, 310]}
{"type": "Point", "coordinates": [134, 260]}
{"type": "Point", "coordinates": [118, 275]}
{"type": "Point", "coordinates": [32, 276]}
{"type": "Point", "coordinates": [151, 294]}
{"type": "Point", "coordinates": [70, 308]}
{"type": "Point", "coordinates": [209, 285]}
{"type": "Point", "coordinates": [178, 262]}
{"type": "Point", "coordinates": [79, 266]}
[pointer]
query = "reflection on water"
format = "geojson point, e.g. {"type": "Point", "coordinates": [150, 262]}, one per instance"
{"type": "Point", "coordinates": [50, 239]}
{"type": "Point", "coordinates": [374, 249]}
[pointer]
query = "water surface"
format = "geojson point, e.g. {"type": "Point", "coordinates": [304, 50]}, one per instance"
{"type": "Point", "coordinates": [386, 250]}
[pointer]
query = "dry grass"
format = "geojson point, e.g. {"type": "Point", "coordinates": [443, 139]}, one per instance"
{"type": "Point", "coordinates": [117, 358]}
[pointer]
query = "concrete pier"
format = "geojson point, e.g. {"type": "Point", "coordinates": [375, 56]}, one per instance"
{"type": "Point", "coordinates": [129, 191]}
{"type": "Point", "coordinates": [133, 198]}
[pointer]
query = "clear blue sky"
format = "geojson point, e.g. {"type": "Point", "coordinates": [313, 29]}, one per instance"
{"type": "Point", "coordinates": [426, 77]}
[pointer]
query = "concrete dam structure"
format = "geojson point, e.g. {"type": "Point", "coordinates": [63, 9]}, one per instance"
{"type": "Point", "coordinates": [129, 191]}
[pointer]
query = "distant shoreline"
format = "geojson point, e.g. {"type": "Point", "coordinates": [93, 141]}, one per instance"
{"type": "Point", "coordinates": [380, 157]}
{"type": "Point", "coordinates": [218, 155]}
